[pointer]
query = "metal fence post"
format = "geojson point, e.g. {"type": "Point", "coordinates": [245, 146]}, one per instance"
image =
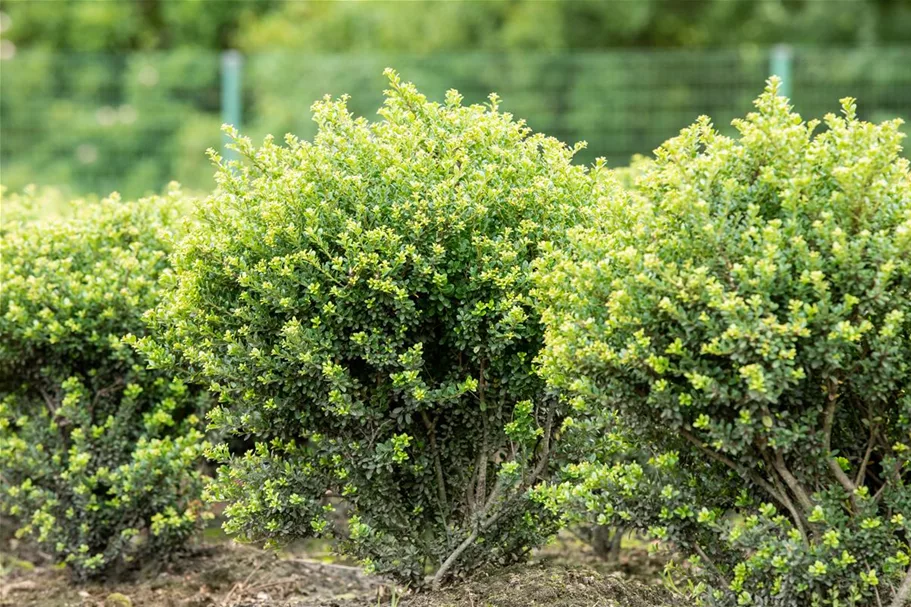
{"type": "Point", "coordinates": [231, 66]}
{"type": "Point", "coordinates": [780, 62]}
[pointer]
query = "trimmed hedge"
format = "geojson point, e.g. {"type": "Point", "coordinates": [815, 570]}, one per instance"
{"type": "Point", "coordinates": [746, 314]}
{"type": "Point", "coordinates": [360, 304]}
{"type": "Point", "coordinates": [99, 454]}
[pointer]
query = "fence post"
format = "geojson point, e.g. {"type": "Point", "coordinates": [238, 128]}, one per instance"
{"type": "Point", "coordinates": [780, 62]}
{"type": "Point", "coordinates": [231, 66]}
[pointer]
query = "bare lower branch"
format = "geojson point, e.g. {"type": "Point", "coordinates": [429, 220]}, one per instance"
{"type": "Point", "coordinates": [711, 563]}
{"type": "Point", "coordinates": [803, 498]}
{"type": "Point", "coordinates": [481, 488]}
{"type": "Point", "coordinates": [828, 423]}
{"type": "Point", "coordinates": [896, 472]}
{"type": "Point", "coordinates": [862, 471]}
{"type": "Point", "coordinates": [50, 402]}
{"type": "Point", "coordinates": [485, 519]}
{"type": "Point", "coordinates": [544, 452]}
{"type": "Point", "coordinates": [904, 592]}
{"type": "Point", "coordinates": [440, 575]}
{"type": "Point", "coordinates": [438, 469]}
{"type": "Point", "coordinates": [718, 457]}
{"type": "Point", "coordinates": [796, 515]}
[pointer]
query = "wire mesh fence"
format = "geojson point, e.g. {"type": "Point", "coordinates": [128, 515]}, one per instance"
{"type": "Point", "coordinates": [97, 123]}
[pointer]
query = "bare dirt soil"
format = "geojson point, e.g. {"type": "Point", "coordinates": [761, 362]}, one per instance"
{"type": "Point", "coordinates": [544, 585]}
{"type": "Point", "coordinates": [225, 574]}
{"type": "Point", "coordinates": [219, 575]}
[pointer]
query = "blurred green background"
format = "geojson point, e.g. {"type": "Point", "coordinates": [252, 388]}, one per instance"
{"type": "Point", "coordinates": [103, 95]}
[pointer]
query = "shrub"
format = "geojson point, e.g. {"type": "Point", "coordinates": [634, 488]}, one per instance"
{"type": "Point", "coordinates": [638, 166]}
{"type": "Point", "coordinates": [99, 455]}
{"type": "Point", "coordinates": [361, 306]}
{"type": "Point", "coordinates": [35, 203]}
{"type": "Point", "coordinates": [747, 314]}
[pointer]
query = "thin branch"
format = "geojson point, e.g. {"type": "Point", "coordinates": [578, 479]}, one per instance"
{"type": "Point", "coordinates": [828, 423]}
{"type": "Point", "coordinates": [803, 498]}
{"type": "Point", "coordinates": [896, 471]}
{"type": "Point", "coordinates": [711, 563]}
{"type": "Point", "coordinates": [106, 391]}
{"type": "Point", "coordinates": [282, 582]}
{"type": "Point", "coordinates": [50, 402]}
{"type": "Point", "coordinates": [718, 457]}
{"type": "Point", "coordinates": [861, 472]}
{"type": "Point", "coordinates": [543, 458]}
{"type": "Point", "coordinates": [226, 602]}
{"type": "Point", "coordinates": [481, 489]}
{"type": "Point", "coordinates": [484, 522]}
{"type": "Point", "coordinates": [438, 468]}
{"type": "Point", "coordinates": [447, 564]}
{"type": "Point", "coordinates": [544, 454]}
{"type": "Point", "coordinates": [796, 515]}
{"type": "Point", "coordinates": [321, 565]}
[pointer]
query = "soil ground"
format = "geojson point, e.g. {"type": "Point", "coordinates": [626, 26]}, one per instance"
{"type": "Point", "coordinates": [225, 574]}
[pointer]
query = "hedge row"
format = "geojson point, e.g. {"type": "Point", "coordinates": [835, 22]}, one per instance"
{"type": "Point", "coordinates": [439, 325]}
{"type": "Point", "coordinates": [99, 453]}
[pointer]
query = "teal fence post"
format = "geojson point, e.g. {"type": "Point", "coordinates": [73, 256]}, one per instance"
{"type": "Point", "coordinates": [780, 63]}
{"type": "Point", "coordinates": [231, 66]}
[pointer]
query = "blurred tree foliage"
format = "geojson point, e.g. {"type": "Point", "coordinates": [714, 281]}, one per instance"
{"type": "Point", "coordinates": [424, 26]}
{"type": "Point", "coordinates": [124, 94]}
{"type": "Point", "coordinates": [430, 25]}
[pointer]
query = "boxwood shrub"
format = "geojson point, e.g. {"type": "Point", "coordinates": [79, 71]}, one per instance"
{"type": "Point", "coordinates": [360, 304]}
{"type": "Point", "coordinates": [746, 315]}
{"type": "Point", "coordinates": [99, 454]}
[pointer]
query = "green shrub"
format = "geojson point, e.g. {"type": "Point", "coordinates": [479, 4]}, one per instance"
{"type": "Point", "coordinates": [638, 166]}
{"type": "Point", "coordinates": [33, 203]}
{"type": "Point", "coordinates": [747, 315]}
{"type": "Point", "coordinates": [99, 454]}
{"type": "Point", "coordinates": [361, 305]}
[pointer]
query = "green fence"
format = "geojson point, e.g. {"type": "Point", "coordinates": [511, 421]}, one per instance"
{"type": "Point", "coordinates": [131, 123]}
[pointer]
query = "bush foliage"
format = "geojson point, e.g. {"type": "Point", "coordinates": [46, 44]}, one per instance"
{"type": "Point", "coordinates": [361, 306]}
{"type": "Point", "coordinates": [99, 454]}
{"type": "Point", "coordinates": [746, 315]}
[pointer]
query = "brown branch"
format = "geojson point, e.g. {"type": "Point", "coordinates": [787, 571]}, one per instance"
{"type": "Point", "coordinates": [282, 582]}
{"type": "Point", "coordinates": [438, 468]}
{"type": "Point", "coordinates": [718, 457]}
{"type": "Point", "coordinates": [50, 402]}
{"type": "Point", "coordinates": [803, 498]}
{"type": "Point", "coordinates": [904, 592]}
{"type": "Point", "coordinates": [484, 522]}
{"type": "Point", "coordinates": [545, 446]}
{"type": "Point", "coordinates": [106, 391]}
{"type": "Point", "coordinates": [862, 471]}
{"type": "Point", "coordinates": [313, 564]}
{"type": "Point", "coordinates": [240, 585]}
{"type": "Point", "coordinates": [447, 564]}
{"type": "Point", "coordinates": [481, 488]}
{"type": "Point", "coordinates": [543, 458]}
{"type": "Point", "coordinates": [896, 471]}
{"type": "Point", "coordinates": [796, 515]}
{"type": "Point", "coordinates": [828, 423]}
{"type": "Point", "coordinates": [711, 563]}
